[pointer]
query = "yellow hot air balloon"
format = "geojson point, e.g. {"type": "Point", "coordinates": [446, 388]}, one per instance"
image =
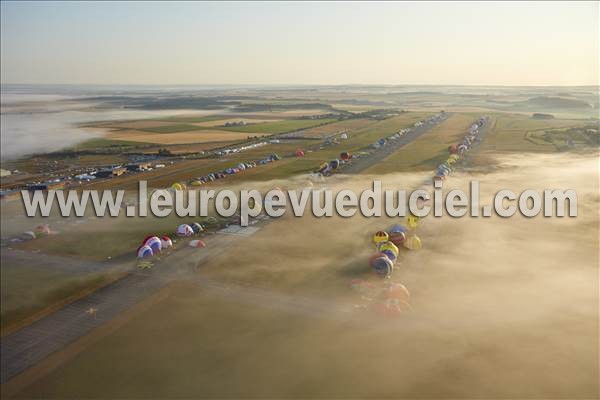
{"type": "Point", "coordinates": [383, 246]}
{"type": "Point", "coordinates": [196, 183]}
{"type": "Point", "coordinates": [412, 221]}
{"type": "Point", "coordinates": [413, 242]}
{"type": "Point", "coordinates": [380, 236]}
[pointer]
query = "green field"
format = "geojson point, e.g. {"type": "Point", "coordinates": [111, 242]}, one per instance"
{"type": "Point", "coordinates": [279, 126]}
{"type": "Point", "coordinates": [173, 128]}
{"type": "Point", "coordinates": [103, 143]}
{"type": "Point", "coordinates": [520, 133]}
{"type": "Point", "coordinates": [429, 150]}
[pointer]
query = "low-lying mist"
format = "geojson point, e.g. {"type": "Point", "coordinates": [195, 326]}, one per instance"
{"type": "Point", "coordinates": [501, 307]}
{"type": "Point", "coordinates": [34, 123]}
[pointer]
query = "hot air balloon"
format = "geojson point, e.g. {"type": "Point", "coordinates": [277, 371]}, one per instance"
{"type": "Point", "coordinates": [334, 164]}
{"type": "Point", "coordinates": [413, 242]}
{"type": "Point", "coordinates": [178, 186]}
{"type": "Point", "coordinates": [375, 256]}
{"type": "Point", "coordinates": [184, 230]}
{"type": "Point", "coordinates": [444, 167]}
{"type": "Point", "coordinates": [452, 149]}
{"type": "Point", "coordinates": [397, 238]}
{"type": "Point", "coordinates": [345, 156]}
{"type": "Point", "coordinates": [144, 251]}
{"type": "Point", "coordinates": [390, 254]}
{"type": "Point", "coordinates": [197, 244]}
{"type": "Point", "coordinates": [398, 229]}
{"type": "Point", "coordinates": [299, 153]}
{"type": "Point", "coordinates": [380, 236]}
{"type": "Point", "coordinates": [42, 229]}
{"type": "Point", "coordinates": [166, 242]}
{"type": "Point", "coordinates": [386, 247]}
{"type": "Point", "coordinates": [442, 172]}
{"type": "Point", "coordinates": [154, 243]}
{"type": "Point", "coordinates": [412, 221]}
{"type": "Point", "coordinates": [196, 227]}
{"type": "Point", "coordinates": [397, 291]}
{"type": "Point", "coordinates": [383, 266]}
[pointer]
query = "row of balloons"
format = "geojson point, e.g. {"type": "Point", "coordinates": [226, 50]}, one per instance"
{"type": "Point", "coordinates": [457, 151]}
{"type": "Point", "coordinates": [394, 298]}
{"type": "Point", "coordinates": [388, 245]}
{"type": "Point", "coordinates": [153, 245]}
{"type": "Point", "coordinates": [213, 176]}
{"type": "Point", "coordinates": [328, 167]}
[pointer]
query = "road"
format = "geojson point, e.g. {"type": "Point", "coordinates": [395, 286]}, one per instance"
{"type": "Point", "coordinates": [31, 344]}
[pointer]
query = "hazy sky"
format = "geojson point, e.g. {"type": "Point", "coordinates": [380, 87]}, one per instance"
{"type": "Point", "coordinates": [534, 43]}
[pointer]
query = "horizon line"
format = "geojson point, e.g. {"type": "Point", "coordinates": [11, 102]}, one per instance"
{"type": "Point", "coordinates": [301, 84]}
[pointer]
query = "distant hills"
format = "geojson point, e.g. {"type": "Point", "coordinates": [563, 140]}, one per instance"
{"type": "Point", "coordinates": [557, 102]}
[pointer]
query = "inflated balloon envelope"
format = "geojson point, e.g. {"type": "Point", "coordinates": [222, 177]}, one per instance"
{"type": "Point", "coordinates": [413, 242]}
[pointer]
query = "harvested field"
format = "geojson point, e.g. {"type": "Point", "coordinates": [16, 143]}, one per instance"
{"type": "Point", "coordinates": [280, 126]}
{"type": "Point", "coordinates": [201, 136]}
{"type": "Point", "coordinates": [141, 124]}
